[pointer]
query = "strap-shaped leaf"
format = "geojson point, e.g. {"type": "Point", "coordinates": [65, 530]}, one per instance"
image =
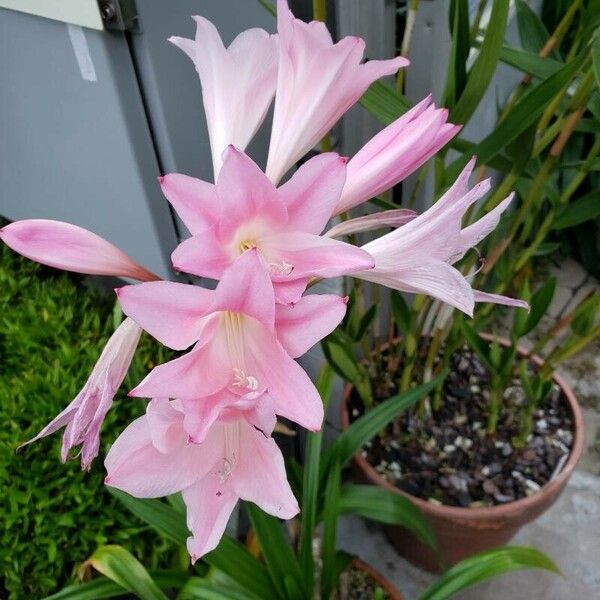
{"type": "Point", "coordinates": [101, 588]}
{"type": "Point", "coordinates": [481, 73]}
{"type": "Point", "coordinates": [384, 103]}
{"type": "Point", "coordinates": [484, 566]}
{"type": "Point", "coordinates": [532, 31]}
{"type": "Point", "coordinates": [579, 211]}
{"type": "Point", "coordinates": [525, 112]}
{"type": "Point", "coordinates": [162, 517]}
{"type": "Point", "coordinates": [456, 77]}
{"type": "Point", "coordinates": [529, 63]}
{"type": "Point", "coordinates": [203, 588]}
{"type": "Point", "coordinates": [386, 506]}
{"type": "Point", "coordinates": [376, 419]}
{"type": "Point", "coordinates": [277, 553]}
{"type": "Point", "coordinates": [123, 568]}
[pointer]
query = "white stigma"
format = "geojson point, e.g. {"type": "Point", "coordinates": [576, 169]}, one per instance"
{"type": "Point", "coordinates": [244, 381]}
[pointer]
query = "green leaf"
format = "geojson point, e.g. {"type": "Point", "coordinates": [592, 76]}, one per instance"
{"type": "Point", "coordinates": [169, 522]}
{"type": "Point", "coordinates": [525, 112]}
{"type": "Point", "coordinates": [540, 302]}
{"type": "Point", "coordinates": [310, 487]}
{"type": "Point", "coordinates": [400, 311]}
{"type": "Point", "coordinates": [532, 31]}
{"type": "Point", "coordinates": [483, 69]}
{"type": "Point", "coordinates": [581, 210]}
{"type": "Point", "coordinates": [386, 506]}
{"type": "Point", "coordinates": [268, 7]}
{"type": "Point", "coordinates": [203, 588]}
{"type": "Point", "coordinates": [376, 419]}
{"type": "Point", "coordinates": [234, 560]}
{"type": "Point", "coordinates": [484, 566]}
{"type": "Point", "coordinates": [330, 516]}
{"type": "Point", "coordinates": [365, 322]}
{"type": "Point", "coordinates": [384, 103]}
{"type": "Point", "coordinates": [101, 588]}
{"type": "Point", "coordinates": [529, 63]}
{"type": "Point", "coordinates": [547, 248]}
{"type": "Point", "coordinates": [456, 78]}
{"type": "Point", "coordinates": [478, 345]}
{"type": "Point", "coordinates": [123, 568]}
{"type": "Point", "coordinates": [277, 553]}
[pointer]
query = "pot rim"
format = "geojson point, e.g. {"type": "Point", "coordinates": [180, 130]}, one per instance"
{"type": "Point", "coordinates": [381, 580]}
{"type": "Point", "coordinates": [551, 488]}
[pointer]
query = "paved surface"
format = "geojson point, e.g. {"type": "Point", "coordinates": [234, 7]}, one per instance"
{"type": "Point", "coordinates": [569, 532]}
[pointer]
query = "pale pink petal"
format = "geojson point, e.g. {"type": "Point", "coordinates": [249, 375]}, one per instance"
{"type": "Point", "coordinates": [318, 81]}
{"type": "Point", "coordinates": [209, 504]}
{"type": "Point", "coordinates": [294, 395]}
{"type": "Point", "coordinates": [308, 255]}
{"type": "Point", "coordinates": [194, 200]}
{"type": "Point", "coordinates": [437, 279]}
{"type": "Point", "coordinates": [198, 373]}
{"type": "Point", "coordinates": [135, 466]}
{"type": "Point", "coordinates": [473, 234]}
{"type": "Point", "coordinates": [261, 414]}
{"type": "Point", "coordinates": [289, 292]}
{"type": "Point", "coordinates": [164, 425]}
{"type": "Point", "coordinates": [203, 254]}
{"type": "Point", "coordinates": [259, 475]}
{"type": "Point", "coordinates": [84, 416]}
{"type": "Point", "coordinates": [300, 326]}
{"type": "Point", "coordinates": [246, 288]}
{"type": "Point", "coordinates": [171, 312]}
{"type": "Point", "coordinates": [71, 248]}
{"type": "Point", "coordinates": [202, 413]}
{"type": "Point", "coordinates": [387, 218]}
{"type": "Point", "coordinates": [395, 153]}
{"type": "Point", "coordinates": [497, 299]}
{"type": "Point", "coordinates": [238, 83]}
{"type": "Point", "coordinates": [313, 191]}
{"type": "Point", "coordinates": [245, 193]}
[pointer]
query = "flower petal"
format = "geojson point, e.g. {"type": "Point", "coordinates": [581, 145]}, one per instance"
{"type": "Point", "coordinates": [194, 200]}
{"type": "Point", "coordinates": [313, 191]}
{"type": "Point", "coordinates": [135, 466]}
{"type": "Point", "coordinates": [311, 255]}
{"type": "Point", "coordinates": [294, 395]}
{"type": "Point", "coordinates": [203, 255]}
{"type": "Point", "coordinates": [318, 81]}
{"type": "Point", "coordinates": [497, 299]}
{"type": "Point", "coordinates": [65, 246]}
{"type": "Point", "coordinates": [209, 504]}
{"type": "Point", "coordinates": [164, 425]}
{"type": "Point", "coordinates": [300, 326]}
{"type": "Point", "coordinates": [387, 218]}
{"type": "Point", "coordinates": [238, 83]}
{"type": "Point", "coordinates": [171, 312]}
{"type": "Point", "coordinates": [259, 475]}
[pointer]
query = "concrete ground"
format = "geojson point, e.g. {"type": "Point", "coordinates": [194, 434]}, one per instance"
{"type": "Point", "coordinates": [569, 532]}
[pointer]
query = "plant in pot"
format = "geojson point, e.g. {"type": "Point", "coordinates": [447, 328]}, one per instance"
{"type": "Point", "coordinates": [494, 390]}
{"type": "Point", "coordinates": [299, 561]}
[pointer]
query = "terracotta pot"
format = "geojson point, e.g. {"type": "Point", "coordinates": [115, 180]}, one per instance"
{"type": "Point", "coordinates": [462, 532]}
{"type": "Point", "coordinates": [382, 582]}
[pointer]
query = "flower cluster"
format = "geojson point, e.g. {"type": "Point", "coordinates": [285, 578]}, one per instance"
{"type": "Point", "coordinates": [208, 425]}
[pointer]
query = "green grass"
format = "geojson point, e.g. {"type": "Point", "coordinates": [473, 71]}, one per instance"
{"type": "Point", "coordinates": [52, 516]}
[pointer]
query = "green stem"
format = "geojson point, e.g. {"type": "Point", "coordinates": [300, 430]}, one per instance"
{"type": "Point", "coordinates": [494, 408]}
{"type": "Point", "coordinates": [411, 17]}
{"type": "Point", "coordinates": [320, 10]}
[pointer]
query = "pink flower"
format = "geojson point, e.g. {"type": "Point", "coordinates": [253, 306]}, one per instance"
{"type": "Point", "coordinates": [395, 153]}
{"type": "Point", "coordinates": [238, 83]}
{"type": "Point", "coordinates": [234, 459]}
{"type": "Point", "coordinates": [244, 210]}
{"type": "Point", "coordinates": [71, 248]}
{"type": "Point", "coordinates": [317, 82]}
{"type": "Point", "coordinates": [418, 257]}
{"type": "Point", "coordinates": [243, 342]}
{"type": "Point", "coordinates": [83, 418]}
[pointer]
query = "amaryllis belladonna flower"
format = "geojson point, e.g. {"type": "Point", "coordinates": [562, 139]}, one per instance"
{"type": "Point", "coordinates": [73, 248]}
{"type": "Point", "coordinates": [244, 210]}
{"type": "Point", "coordinates": [317, 82]}
{"type": "Point", "coordinates": [243, 342]}
{"type": "Point", "coordinates": [234, 459]}
{"type": "Point", "coordinates": [238, 82]}
{"type": "Point", "coordinates": [418, 257]}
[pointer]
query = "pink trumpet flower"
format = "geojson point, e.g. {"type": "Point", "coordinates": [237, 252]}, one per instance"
{"type": "Point", "coordinates": [71, 248]}
{"type": "Point", "coordinates": [83, 418]}
{"type": "Point", "coordinates": [243, 343]}
{"type": "Point", "coordinates": [154, 457]}
{"type": "Point", "coordinates": [317, 82]}
{"type": "Point", "coordinates": [238, 82]}
{"type": "Point", "coordinates": [244, 210]}
{"type": "Point", "coordinates": [395, 153]}
{"type": "Point", "coordinates": [418, 257]}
